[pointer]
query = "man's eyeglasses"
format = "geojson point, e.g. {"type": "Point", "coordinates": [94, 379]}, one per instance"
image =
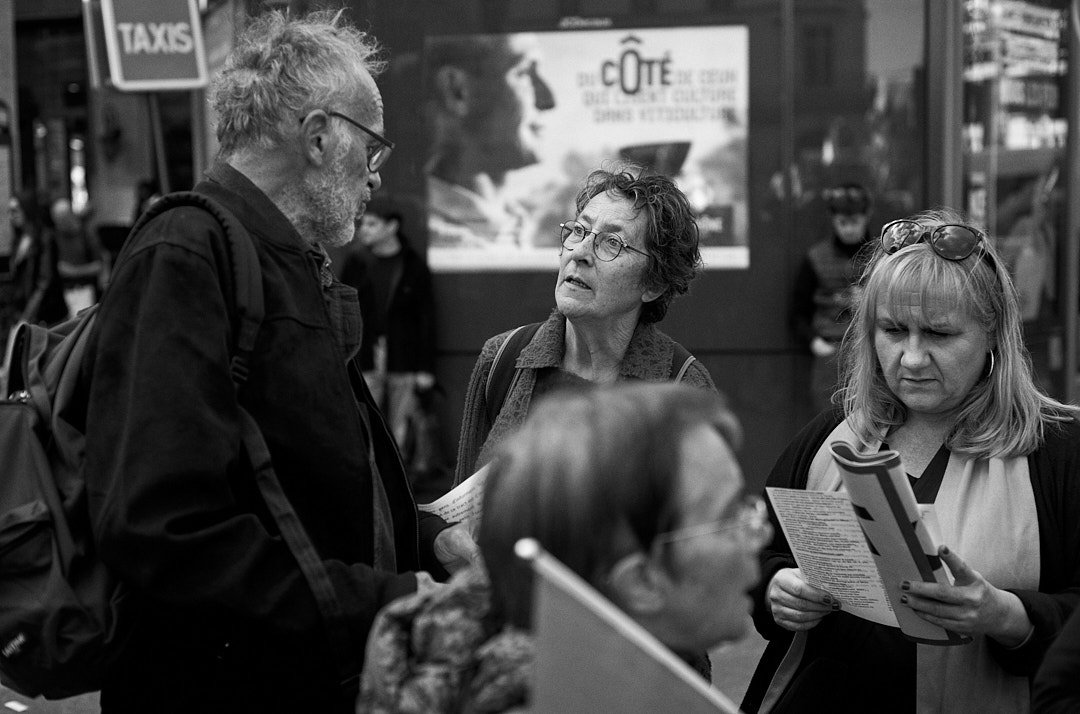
{"type": "Point", "coordinates": [606, 246]}
{"type": "Point", "coordinates": [951, 241]}
{"type": "Point", "coordinates": [751, 520]}
{"type": "Point", "coordinates": [377, 154]}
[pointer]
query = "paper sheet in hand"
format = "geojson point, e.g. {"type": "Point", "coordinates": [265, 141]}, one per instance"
{"type": "Point", "coordinates": [861, 544]}
{"type": "Point", "coordinates": [461, 504]}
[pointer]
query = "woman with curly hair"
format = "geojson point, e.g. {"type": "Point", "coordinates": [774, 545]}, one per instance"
{"type": "Point", "coordinates": [629, 251]}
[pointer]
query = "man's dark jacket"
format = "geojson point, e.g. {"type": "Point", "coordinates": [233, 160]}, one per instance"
{"type": "Point", "coordinates": [228, 622]}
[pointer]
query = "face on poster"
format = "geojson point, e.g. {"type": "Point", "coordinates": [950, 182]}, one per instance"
{"type": "Point", "coordinates": [519, 120]}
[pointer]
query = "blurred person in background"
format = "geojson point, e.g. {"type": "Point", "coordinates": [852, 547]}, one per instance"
{"type": "Point", "coordinates": [935, 368]}
{"type": "Point", "coordinates": [630, 249]}
{"type": "Point", "coordinates": [634, 487]}
{"type": "Point", "coordinates": [80, 259]}
{"type": "Point", "coordinates": [30, 286]}
{"type": "Point", "coordinates": [398, 309]}
{"type": "Point", "coordinates": [825, 287]}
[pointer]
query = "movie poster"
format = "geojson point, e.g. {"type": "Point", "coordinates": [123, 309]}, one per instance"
{"type": "Point", "coordinates": [518, 121]}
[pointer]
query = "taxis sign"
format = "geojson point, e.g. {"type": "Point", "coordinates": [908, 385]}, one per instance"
{"type": "Point", "coordinates": [154, 44]}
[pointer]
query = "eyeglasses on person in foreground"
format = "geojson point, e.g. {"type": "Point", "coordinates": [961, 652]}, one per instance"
{"type": "Point", "coordinates": [751, 521]}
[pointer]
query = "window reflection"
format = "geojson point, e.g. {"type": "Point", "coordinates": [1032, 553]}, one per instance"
{"type": "Point", "coordinates": [858, 105]}
{"type": "Point", "coordinates": [1015, 132]}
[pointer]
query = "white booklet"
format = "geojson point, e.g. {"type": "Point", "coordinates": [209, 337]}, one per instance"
{"type": "Point", "coordinates": [861, 544]}
{"type": "Point", "coordinates": [463, 503]}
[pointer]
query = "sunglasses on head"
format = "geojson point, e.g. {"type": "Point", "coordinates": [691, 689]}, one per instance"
{"type": "Point", "coordinates": [951, 241]}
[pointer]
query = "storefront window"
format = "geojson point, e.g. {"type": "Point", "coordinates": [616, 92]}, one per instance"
{"type": "Point", "coordinates": [1015, 134]}
{"type": "Point", "coordinates": [858, 107]}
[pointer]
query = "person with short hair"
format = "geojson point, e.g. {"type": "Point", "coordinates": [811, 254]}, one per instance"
{"type": "Point", "coordinates": [224, 619]}
{"type": "Point", "coordinates": [634, 487]}
{"type": "Point", "coordinates": [397, 354]}
{"type": "Point", "coordinates": [486, 97]}
{"type": "Point", "coordinates": [825, 287]}
{"type": "Point", "coordinates": [631, 248]}
{"type": "Point", "coordinates": [935, 368]}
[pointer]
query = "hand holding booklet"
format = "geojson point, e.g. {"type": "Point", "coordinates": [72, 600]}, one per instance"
{"type": "Point", "coordinates": [859, 544]}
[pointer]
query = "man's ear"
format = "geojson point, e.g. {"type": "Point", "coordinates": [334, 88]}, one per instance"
{"type": "Point", "coordinates": [638, 585]}
{"type": "Point", "coordinates": [454, 89]}
{"type": "Point", "coordinates": [315, 137]}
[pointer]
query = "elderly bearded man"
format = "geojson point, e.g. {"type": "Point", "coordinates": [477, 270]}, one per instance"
{"type": "Point", "coordinates": [228, 621]}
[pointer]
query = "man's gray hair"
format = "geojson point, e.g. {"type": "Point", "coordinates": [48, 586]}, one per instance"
{"type": "Point", "coordinates": [283, 67]}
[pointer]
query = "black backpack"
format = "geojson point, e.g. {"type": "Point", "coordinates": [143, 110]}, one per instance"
{"type": "Point", "coordinates": [62, 612]}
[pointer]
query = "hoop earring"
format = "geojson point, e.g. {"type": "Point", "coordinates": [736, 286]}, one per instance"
{"type": "Point", "coordinates": [991, 364]}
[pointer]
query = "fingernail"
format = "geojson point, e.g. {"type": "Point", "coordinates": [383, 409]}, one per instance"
{"type": "Point", "coordinates": [903, 599]}
{"type": "Point", "coordinates": [905, 585]}
{"type": "Point", "coordinates": [827, 600]}
{"type": "Point", "coordinates": [836, 605]}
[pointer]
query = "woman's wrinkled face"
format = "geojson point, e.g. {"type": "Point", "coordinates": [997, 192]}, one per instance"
{"type": "Point", "coordinates": [592, 289]}
{"type": "Point", "coordinates": [932, 354]}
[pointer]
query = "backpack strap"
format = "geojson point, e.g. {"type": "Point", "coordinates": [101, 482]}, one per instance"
{"type": "Point", "coordinates": [300, 545]}
{"type": "Point", "coordinates": [681, 359]}
{"type": "Point", "coordinates": [244, 261]}
{"type": "Point", "coordinates": [504, 371]}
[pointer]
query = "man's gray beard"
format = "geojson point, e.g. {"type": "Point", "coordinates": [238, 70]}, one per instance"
{"type": "Point", "coordinates": [326, 212]}
{"type": "Point", "coordinates": [341, 237]}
